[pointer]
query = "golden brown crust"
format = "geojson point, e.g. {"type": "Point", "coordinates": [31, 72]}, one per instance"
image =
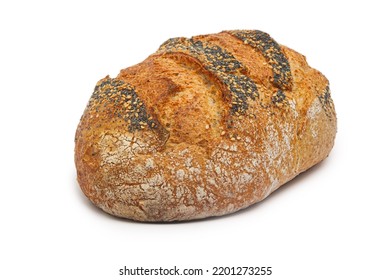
{"type": "Point", "coordinates": [204, 127]}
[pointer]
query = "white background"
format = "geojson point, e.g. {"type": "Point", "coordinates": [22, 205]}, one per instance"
{"type": "Point", "coordinates": [330, 223]}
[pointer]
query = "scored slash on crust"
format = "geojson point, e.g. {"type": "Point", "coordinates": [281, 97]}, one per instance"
{"type": "Point", "coordinates": [272, 52]}
{"type": "Point", "coordinates": [326, 102]}
{"type": "Point", "coordinates": [221, 64]}
{"type": "Point", "coordinates": [128, 105]}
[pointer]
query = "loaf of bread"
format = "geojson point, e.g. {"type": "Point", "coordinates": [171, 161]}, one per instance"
{"type": "Point", "coordinates": [203, 127]}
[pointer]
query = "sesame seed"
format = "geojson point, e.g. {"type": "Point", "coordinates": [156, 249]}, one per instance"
{"type": "Point", "coordinates": [119, 100]}
{"type": "Point", "coordinates": [271, 50]}
{"type": "Point", "coordinates": [222, 64]}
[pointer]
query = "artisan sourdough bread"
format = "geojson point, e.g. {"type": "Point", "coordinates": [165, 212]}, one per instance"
{"type": "Point", "coordinates": [203, 127]}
